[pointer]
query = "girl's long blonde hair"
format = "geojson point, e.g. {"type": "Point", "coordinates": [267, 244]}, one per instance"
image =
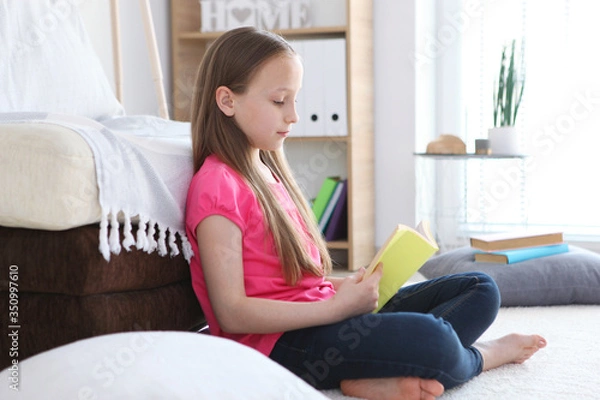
{"type": "Point", "coordinates": [232, 61]}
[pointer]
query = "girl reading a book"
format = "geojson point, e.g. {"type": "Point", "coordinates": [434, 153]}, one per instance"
{"type": "Point", "coordinates": [260, 265]}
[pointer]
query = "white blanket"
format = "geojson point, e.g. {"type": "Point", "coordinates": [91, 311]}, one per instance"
{"type": "Point", "coordinates": [143, 167]}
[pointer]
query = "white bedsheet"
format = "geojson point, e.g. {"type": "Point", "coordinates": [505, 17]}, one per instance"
{"type": "Point", "coordinates": [142, 167]}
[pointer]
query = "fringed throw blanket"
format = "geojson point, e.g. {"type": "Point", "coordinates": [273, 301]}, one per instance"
{"type": "Point", "coordinates": [143, 168]}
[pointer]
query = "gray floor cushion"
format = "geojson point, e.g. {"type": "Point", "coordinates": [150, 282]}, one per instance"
{"type": "Point", "coordinates": [568, 278]}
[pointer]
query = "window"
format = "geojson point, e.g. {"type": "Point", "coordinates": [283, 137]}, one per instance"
{"type": "Point", "coordinates": [559, 118]}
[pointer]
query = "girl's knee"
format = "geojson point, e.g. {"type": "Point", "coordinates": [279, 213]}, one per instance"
{"type": "Point", "coordinates": [485, 291]}
{"type": "Point", "coordinates": [491, 288]}
{"type": "Point", "coordinates": [485, 278]}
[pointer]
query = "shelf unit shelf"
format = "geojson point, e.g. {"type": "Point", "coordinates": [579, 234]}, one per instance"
{"type": "Point", "coordinates": [188, 46]}
{"type": "Point", "coordinates": [338, 245]}
{"type": "Point", "coordinates": [470, 156]}
{"type": "Point", "coordinates": [302, 32]}
{"type": "Point", "coordinates": [292, 139]}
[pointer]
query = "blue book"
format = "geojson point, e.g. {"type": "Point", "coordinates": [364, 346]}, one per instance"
{"type": "Point", "coordinates": [524, 254]}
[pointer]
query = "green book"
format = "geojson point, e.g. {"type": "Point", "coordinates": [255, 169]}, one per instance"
{"type": "Point", "coordinates": [337, 192]}
{"type": "Point", "coordinates": [325, 192]}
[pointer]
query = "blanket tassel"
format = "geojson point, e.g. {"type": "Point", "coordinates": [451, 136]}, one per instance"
{"type": "Point", "coordinates": [142, 241]}
{"type": "Point", "coordinates": [162, 241]}
{"type": "Point", "coordinates": [103, 237]}
{"type": "Point", "coordinates": [114, 239]}
{"type": "Point", "coordinates": [152, 245]}
{"type": "Point", "coordinates": [172, 243]}
{"type": "Point", "coordinates": [128, 241]}
{"type": "Point", "coordinates": [188, 252]}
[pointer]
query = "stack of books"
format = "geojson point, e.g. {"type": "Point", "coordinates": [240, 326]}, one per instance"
{"type": "Point", "coordinates": [331, 208]}
{"type": "Point", "coordinates": [513, 247]}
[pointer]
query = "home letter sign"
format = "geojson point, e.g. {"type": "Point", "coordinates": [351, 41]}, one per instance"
{"type": "Point", "coordinates": [222, 15]}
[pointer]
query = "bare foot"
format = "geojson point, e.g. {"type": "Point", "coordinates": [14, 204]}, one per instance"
{"type": "Point", "coordinates": [514, 348]}
{"type": "Point", "coordinates": [402, 388]}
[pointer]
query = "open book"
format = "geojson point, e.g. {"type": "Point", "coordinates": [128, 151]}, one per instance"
{"type": "Point", "coordinates": [403, 253]}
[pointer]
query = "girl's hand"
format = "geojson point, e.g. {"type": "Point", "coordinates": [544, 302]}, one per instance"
{"type": "Point", "coordinates": [358, 294]}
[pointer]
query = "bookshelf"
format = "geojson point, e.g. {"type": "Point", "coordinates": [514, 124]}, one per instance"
{"type": "Point", "coordinates": [354, 158]}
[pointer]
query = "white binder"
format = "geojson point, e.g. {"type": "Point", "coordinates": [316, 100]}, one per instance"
{"type": "Point", "coordinates": [314, 88]}
{"type": "Point", "coordinates": [334, 70]}
{"type": "Point", "coordinates": [322, 102]}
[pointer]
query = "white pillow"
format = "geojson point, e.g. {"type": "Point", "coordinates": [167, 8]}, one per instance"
{"type": "Point", "coordinates": [154, 365]}
{"type": "Point", "coordinates": [48, 63]}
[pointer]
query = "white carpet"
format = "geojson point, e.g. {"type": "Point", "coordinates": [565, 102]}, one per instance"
{"type": "Point", "coordinates": [568, 368]}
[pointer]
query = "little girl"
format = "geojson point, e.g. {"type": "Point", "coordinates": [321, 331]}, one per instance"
{"type": "Point", "coordinates": [260, 266]}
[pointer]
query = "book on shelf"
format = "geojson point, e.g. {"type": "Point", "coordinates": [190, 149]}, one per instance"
{"type": "Point", "coordinates": [333, 200]}
{"type": "Point", "coordinates": [517, 255]}
{"type": "Point", "coordinates": [403, 253]}
{"type": "Point", "coordinates": [337, 228]}
{"type": "Point", "coordinates": [325, 192]}
{"type": "Point", "coordinates": [515, 240]}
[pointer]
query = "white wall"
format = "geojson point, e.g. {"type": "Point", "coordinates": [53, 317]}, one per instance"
{"type": "Point", "coordinates": [139, 94]}
{"type": "Point", "coordinates": [395, 114]}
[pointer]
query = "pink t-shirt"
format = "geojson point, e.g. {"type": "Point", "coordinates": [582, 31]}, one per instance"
{"type": "Point", "coordinates": [216, 189]}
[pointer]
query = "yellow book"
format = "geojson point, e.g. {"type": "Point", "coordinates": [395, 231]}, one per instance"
{"type": "Point", "coordinates": [403, 253]}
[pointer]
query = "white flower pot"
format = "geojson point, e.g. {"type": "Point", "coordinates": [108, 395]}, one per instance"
{"type": "Point", "coordinates": [504, 141]}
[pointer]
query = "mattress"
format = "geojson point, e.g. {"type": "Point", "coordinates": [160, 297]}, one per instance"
{"type": "Point", "coordinates": [49, 233]}
{"type": "Point", "coordinates": [67, 291]}
{"type": "Point", "coordinates": [48, 178]}
{"type": "Point", "coordinates": [51, 320]}
{"type": "Point", "coordinates": [68, 262]}
{"type": "Point", "coordinates": [49, 174]}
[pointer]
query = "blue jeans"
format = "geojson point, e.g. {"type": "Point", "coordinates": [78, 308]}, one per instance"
{"type": "Point", "coordinates": [426, 330]}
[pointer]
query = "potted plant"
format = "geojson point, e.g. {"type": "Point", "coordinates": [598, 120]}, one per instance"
{"type": "Point", "coordinates": [508, 92]}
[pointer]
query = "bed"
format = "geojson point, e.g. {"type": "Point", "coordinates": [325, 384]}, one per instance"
{"type": "Point", "coordinates": [91, 212]}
